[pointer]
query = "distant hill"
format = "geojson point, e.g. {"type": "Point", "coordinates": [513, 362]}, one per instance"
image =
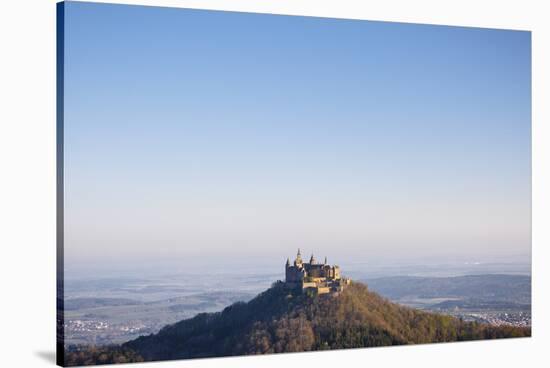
{"type": "Point", "coordinates": [501, 288]}
{"type": "Point", "coordinates": [79, 303]}
{"type": "Point", "coordinates": [280, 320]}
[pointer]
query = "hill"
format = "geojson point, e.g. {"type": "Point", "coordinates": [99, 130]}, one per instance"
{"type": "Point", "coordinates": [493, 287]}
{"type": "Point", "coordinates": [491, 298]}
{"type": "Point", "coordinates": [280, 320]}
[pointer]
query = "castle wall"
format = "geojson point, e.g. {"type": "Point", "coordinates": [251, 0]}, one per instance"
{"type": "Point", "coordinates": [294, 274]}
{"type": "Point", "coordinates": [323, 290]}
{"type": "Point", "coordinates": [307, 285]}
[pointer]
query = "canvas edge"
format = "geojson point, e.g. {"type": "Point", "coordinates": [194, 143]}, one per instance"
{"type": "Point", "coordinates": [60, 55]}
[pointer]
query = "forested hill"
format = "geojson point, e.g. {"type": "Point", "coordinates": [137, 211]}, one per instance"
{"type": "Point", "coordinates": [278, 320]}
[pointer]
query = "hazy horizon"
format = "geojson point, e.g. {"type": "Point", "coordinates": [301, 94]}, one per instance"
{"type": "Point", "coordinates": [203, 135]}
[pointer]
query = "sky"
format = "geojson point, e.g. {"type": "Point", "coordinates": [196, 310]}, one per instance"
{"type": "Point", "coordinates": [223, 137]}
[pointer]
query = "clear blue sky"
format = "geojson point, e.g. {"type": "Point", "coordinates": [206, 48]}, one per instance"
{"type": "Point", "coordinates": [192, 133]}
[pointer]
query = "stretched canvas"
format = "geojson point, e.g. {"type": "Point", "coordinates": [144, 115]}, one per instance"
{"type": "Point", "coordinates": [237, 183]}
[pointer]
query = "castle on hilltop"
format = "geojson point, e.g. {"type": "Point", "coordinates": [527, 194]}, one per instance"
{"type": "Point", "coordinates": [320, 278]}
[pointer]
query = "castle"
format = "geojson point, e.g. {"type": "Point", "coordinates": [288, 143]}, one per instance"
{"type": "Point", "coordinates": [320, 278]}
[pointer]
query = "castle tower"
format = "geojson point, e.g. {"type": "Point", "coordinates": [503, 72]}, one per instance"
{"type": "Point", "coordinates": [287, 263]}
{"type": "Point", "coordinates": [312, 259]}
{"type": "Point", "coordinates": [298, 261]}
{"type": "Point", "coordinates": [325, 260]}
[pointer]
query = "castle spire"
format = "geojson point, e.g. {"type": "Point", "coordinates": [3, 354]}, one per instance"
{"type": "Point", "coordinates": [288, 262]}
{"type": "Point", "coordinates": [312, 259]}
{"type": "Point", "coordinates": [298, 260]}
{"type": "Point", "coordinates": [325, 259]}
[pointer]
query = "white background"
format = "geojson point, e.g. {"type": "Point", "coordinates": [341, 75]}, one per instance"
{"type": "Point", "coordinates": [27, 181]}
